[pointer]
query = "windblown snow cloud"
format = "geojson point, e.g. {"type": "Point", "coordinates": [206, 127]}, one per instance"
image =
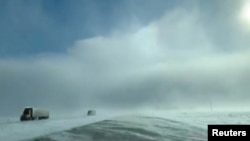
{"type": "Point", "coordinates": [174, 62]}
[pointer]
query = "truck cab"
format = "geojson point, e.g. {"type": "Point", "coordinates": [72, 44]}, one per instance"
{"type": "Point", "coordinates": [27, 114]}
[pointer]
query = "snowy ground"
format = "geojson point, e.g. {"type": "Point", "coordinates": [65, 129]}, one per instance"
{"type": "Point", "coordinates": [12, 129]}
{"type": "Point", "coordinates": [202, 119]}
{"type": "Point", "coordinates": [145, 126]}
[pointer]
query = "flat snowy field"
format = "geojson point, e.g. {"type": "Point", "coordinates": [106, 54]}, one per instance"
{"type": "Point", "coordinates": [141, 126]}
{"type": "Point", "coordinates": [11, 129]}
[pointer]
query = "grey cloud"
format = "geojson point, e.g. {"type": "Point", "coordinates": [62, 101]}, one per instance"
{"type": "Point", "coordinates": [171, 63]}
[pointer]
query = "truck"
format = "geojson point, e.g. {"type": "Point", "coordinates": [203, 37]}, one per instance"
{"type": "Point", "coordinates": [91, 112]}
{"type": "Point", "coordinates": [30, 113]}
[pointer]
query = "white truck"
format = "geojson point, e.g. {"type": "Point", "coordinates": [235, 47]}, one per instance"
{"type": "Point", "coordinates": [34, 114]}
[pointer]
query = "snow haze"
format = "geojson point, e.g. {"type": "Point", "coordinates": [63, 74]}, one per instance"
{"type": "Point", "coordinates": [189, 55]}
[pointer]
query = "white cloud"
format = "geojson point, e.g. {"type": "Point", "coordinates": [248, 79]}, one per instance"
{"type": "Point", "coordinates": [169, 63]}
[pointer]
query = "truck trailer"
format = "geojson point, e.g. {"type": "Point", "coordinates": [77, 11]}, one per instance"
{"type": "Point", "coordinates": [30, 113]}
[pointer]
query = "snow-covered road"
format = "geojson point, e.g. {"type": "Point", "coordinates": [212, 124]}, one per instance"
{"type": "Point", "coordinates": [14, 130]}
{"type": "Point", "coordinates": [159, 123]}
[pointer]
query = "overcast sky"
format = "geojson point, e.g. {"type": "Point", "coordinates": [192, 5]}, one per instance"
{"type": "Point", "coordinates": [124, 54]}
